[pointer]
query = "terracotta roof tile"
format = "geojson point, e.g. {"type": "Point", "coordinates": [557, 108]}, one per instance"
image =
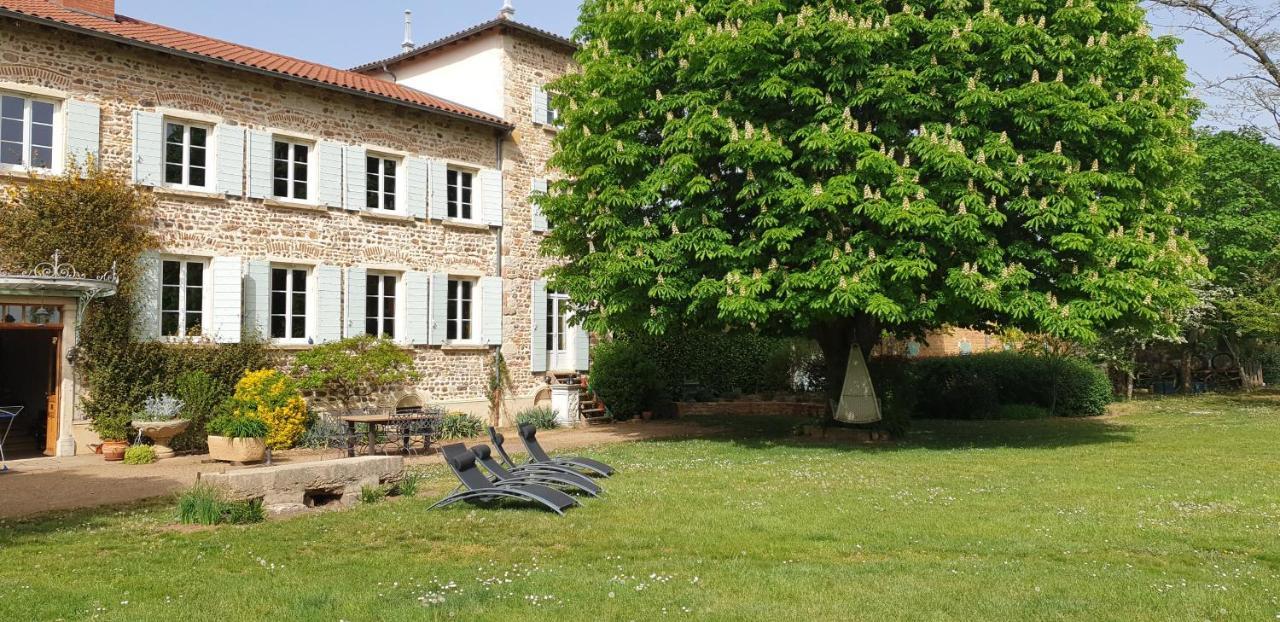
{"type": "Point", "coordinates": [156, 36]}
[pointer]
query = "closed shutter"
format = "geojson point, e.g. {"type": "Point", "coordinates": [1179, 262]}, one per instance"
{"type": "Point", "coordinates": [491, 310]}
{"type": "Point", "coordinates": [356, 169]}
{"type": "Point", "coordinates": [148, 148]}
{"type": "Point", "coordinates": [535, 210]}
{"type": "Point", "coordinates": [538, 331]}
{"type": "Point", "coordinates": [147, 299]}
{"type": "Point", "coordinates": [328, 304]}
{"type": "Point", "coordinates": [415, 186]}
{"type": "Point", "coordinates": [260, 164]}
{"type": "Point", "coordinates": [439, 308]}
{"type": "Point", "coordinates": [257, 299]}
{"type": "Point", "coordinates": [329, 174]}
{"type": "Point", "coordinates": [581, 347]}
{"type": "Point", "coordinates": [541, 105]}
{"type": "Point", "coordinates": [83, 132]}
{"type": "Point", "coordinates": [437, 186]}
{"type": "Point", "coordinates": [417, 287]}
{"type": "Point", "coordinates": [230, 160]}
{"type": "Point", "coordinates": [356, 291]}
{"type": "Point", "coordinates": [491, 196]}
{"type": "Point", "coordinates": [228, 294]}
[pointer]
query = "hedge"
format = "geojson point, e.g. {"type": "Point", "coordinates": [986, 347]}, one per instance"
{"type": "Point", "coordinates": [722, 363]}
{"type": "Point", "coordinates": [979, 386]}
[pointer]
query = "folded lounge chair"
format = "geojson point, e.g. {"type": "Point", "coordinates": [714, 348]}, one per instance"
{"type": "Point", "coordinates": [499, 444]}
{"type": "Point", "coordinates": [535, 476]}
{"type": "Point", "coordinates": [476, 487]}
{"type": "Point", "coordinates": [529, 435]}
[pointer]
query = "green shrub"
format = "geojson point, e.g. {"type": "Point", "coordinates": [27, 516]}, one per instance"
{"type": "Point", "coordinates": [460, 425]}
{"type": "Point", "coordinates": [237, 425]}
{"type": "Point", "coordinates": [720, 363]}
{"type": "Point", "coordinates": [625, 379]}
{"type": "Point", "coordinates": [898, 389]}
{"type": "Point", "coordinates": [374, 494]}
{"type": "Point", "coordinates": [409, 484]}
{"type": "Point", "coordinates": [1021, 411]}
{"type": "Point", "coordinates": [540, 417]}
{"type": "Point", "coordinates": [203, 398]}
{"type": "Point", "coordinates": [139, 454]}
{"type": "Point", "coordinates": [975, 387]}
{"type": "Point", "coordinates": [203, 504]}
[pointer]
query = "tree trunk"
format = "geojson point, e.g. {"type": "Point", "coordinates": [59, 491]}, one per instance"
{"type": "Point", "coordinates": [1184, 369]}
{"type": "Point", "coordinates": [837, 339]}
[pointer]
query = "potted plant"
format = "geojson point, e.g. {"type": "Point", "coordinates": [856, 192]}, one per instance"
{"type": "Point", "coordinates": [237, 437]}
{"type": "Point", "coordinates": [113, 428]}
{"type": "Point", "coordinates": [160, 421]}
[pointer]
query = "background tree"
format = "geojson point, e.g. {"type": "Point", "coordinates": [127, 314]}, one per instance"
{"type": "Point", "coordinates": [354, 369]}
{"type": "Point", "coordinates": [838, 168]}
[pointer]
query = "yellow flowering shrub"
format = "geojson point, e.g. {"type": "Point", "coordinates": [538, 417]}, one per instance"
{"type": "Point", "coordinates": [274, 398]}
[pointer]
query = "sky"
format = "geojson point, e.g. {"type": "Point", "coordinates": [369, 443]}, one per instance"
{"type": "Point", "coordinates": [344, 34]}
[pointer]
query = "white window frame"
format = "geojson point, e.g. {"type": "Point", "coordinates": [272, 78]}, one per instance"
{"type": "Point", "coordinates": [206, 299]}
{"type": "Point", "coordinates": [310, 181]}
{"type": "Point", "coordinates": [309, 303]}
{"type": "Point", "coordinates": [57, 129]}
{"type": "Point", "coordinates": [397, 322]}
{"type": "Point", "coordinates": [558, 326]}
{"type": "Point", "coordinates": [209, 150]}
{"type": "Point", "coordinates": [398, 199]}
{"type": "Point", "coordinates": [473, 205]}
{"type": "Point", "coordinates": [456, 304]}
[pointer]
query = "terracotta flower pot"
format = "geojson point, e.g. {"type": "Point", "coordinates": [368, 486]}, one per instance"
{"type": "Point", "coordinates": [162, 433]}
{"type": "Point", "coordinates": [230, 449]}
{"type": "Point", "coordinates": [113, 451]}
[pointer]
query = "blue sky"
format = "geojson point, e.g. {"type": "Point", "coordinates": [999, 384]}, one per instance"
{"type": "Point", "coordinates": [344, 33]}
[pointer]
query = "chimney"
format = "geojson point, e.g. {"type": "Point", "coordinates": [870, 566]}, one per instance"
{"type": "Point", "coordinates": [507, 11]}
{"type": "Point", "coordinates": [101, 8]}
{"type": "Point", "coordinates": [408, 31]}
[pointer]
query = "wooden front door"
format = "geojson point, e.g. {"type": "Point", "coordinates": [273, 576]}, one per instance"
{"type": "Point", "coordinates": [51, 399]}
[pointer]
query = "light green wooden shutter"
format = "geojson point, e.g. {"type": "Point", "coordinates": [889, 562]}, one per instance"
{"type": "Point", "coordinates": [541, 106]}
{"type": "Point", "coordinates": [83, 131]}
{"type": "Point", "coordinates": [230, 160]}
{"type": "Point", "coordinates": [437, 187]}
{"type": "Point", "coordinates": [491, 310]}
{"type": "Point", "coordinates": [581, 348]}
{"type": "Point", "coordinates": [491, 196]}
{"type": "Point", "coordinates": [328, 304]}
{"type": "Point", "coordinates": [257, 299]}
{"type": "Point", "coordinates": [329, 174]}
{"type": "Point", "coordinates": [148, 148]}
{"type": "Point", "coordinates": [356, 169]}
{"type": "Point", "coordinates": [260, 164]}
{"type": "Point", "coordinates": [439, 308]}
{"type": "Point", "coordinates": [538, 331]}
{"type": "Point", "coordinates": [356, 290]}
{"type": "Point", "coordinates": [228, 295]}
{"type": "Point", "coordinates": [415, 186]}
{"type": "Point", "coordinates": [147, 297]}
{"type": "Point", "coordinates": [535, 209]}
{"type": "Point", "coordinates": [417, 287]}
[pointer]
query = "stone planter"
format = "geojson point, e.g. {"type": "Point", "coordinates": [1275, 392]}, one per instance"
{"type": "Point", "coordinates": [228, 449]}
{"type": "Point", "coordinates": [161, 433]}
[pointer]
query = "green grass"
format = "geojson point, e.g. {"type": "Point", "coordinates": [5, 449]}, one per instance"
{"type": "Point", "coordinates": [1171, 512]}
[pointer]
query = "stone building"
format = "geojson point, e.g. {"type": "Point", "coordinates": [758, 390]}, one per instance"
{"type": "Point", "coordinates": [298, 202]}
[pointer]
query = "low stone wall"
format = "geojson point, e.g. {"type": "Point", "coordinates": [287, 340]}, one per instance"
{"type": "Point", "coordinates": [293, 487]}
{"type": "Point", "coordinates": [753, 407]}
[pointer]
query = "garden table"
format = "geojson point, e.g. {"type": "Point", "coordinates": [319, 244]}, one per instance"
{"type": "Point", "coordinates": [7, 415]}
{"type": "Point", "coordinates": [374, 422]}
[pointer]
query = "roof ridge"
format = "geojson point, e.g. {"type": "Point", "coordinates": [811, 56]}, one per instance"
{"type": "Point", "coordinates": [463, 34]}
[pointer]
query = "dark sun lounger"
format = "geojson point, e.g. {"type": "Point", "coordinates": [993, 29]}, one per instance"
{"type": "Point", "coordinates": [476, 487]}
{"type": "Point", "coordinates": [536, 476]}
{"type": "Point", "coordinates": [499, 444]}
{"type": "Point", "coordinates": [529, 435]}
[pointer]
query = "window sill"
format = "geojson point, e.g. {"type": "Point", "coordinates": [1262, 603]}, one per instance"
{"type": "Point", "coordinates": [386, 216]}
{"type": "Point", "coordinates": [296, 205]}
{"type": "Point", "coordinates": [464, 347]}
{"type": "Point", "coordinates": [289, 346]}
{"type": "Point", "coordinates": [26, 173]}
{"type": "Point", "coordinates": [194, 194]}
{"type": "Point", "coordinates": [468, 225]}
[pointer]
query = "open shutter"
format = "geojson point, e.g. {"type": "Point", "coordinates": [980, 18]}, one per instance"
{"type": "Point", "coordinates": [329, 172]}
{"type": "Point", "coordinates": [417, 287]}
{"type": "Point", "coordinates": [328, 304]}
{"type": "Point", "coordinates": [491, 310]}
{"type": "Point", "coordinates": [491, 196]}
{"type": "Point", "coordinates": [357, 289]}
{"type": "Point", "coordinates": [581, 343]}
{"type": "Point", "coordinates": [230, 160]}
{"type": "Point", "coordinates": [538, 332]}
{"type": "Point", "coordinates": [415, 186]}
{"type": "Point", "coordinates": [541, 105]}
{"type": "Point", "coordinates": [438, 182]}
{"type": "Point", "coordinates": [439, 308]}
{"type": "Point", "coordinates": [83, 131]}
{"type": "Point", "coordinates": [257, 299]}
{"type": "Point", "coordinates": [225, 322]}
{"type": "Point", "coordinates": [357, 183]}
{"type": "Point", "coordinates": [535, 210]}
{"type": "Point", "coordinates": [147, 300]}
{"type": "Point", "coordinates": [260, 164]}
{"type": "Point", "coordinates": [148, 148]}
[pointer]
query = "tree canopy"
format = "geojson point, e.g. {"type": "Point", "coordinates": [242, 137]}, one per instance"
{"type": "Point", "coordinates": [836, 168]}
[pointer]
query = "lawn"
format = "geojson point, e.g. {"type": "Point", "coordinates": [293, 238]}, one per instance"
{"type": "Point", "coordinates": [1168, 512]}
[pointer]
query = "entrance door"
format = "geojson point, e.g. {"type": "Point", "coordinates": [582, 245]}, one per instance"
{"type": "Point", "coordinates": [557, 338]}
{"type": "Point", "coordinates": [29, 373]}
{"type": "Point", "coordinates": [51, 400]}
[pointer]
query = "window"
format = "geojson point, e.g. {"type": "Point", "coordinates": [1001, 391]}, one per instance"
{"type": "Point", "coordinates": [380, 305]}
{"type": "Point", "coordinates": [186, 155]}
{"type": "Point", "coordinates": [288, 303]}
{"type": "Point", "coordinates": [557, 307]}
{"type": "Point", "coordinates": [181, 298]}
{"type": "Point", "coordinates": [460, 184]}
{"type": "Point", "coordinates": [292, 170]}
{"type": "Point", "coordinates": [459, 326]}
{"type": "Point", "coordinates": [380, 192]}
{"type": "Point", "coordinates": [26, 132]}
